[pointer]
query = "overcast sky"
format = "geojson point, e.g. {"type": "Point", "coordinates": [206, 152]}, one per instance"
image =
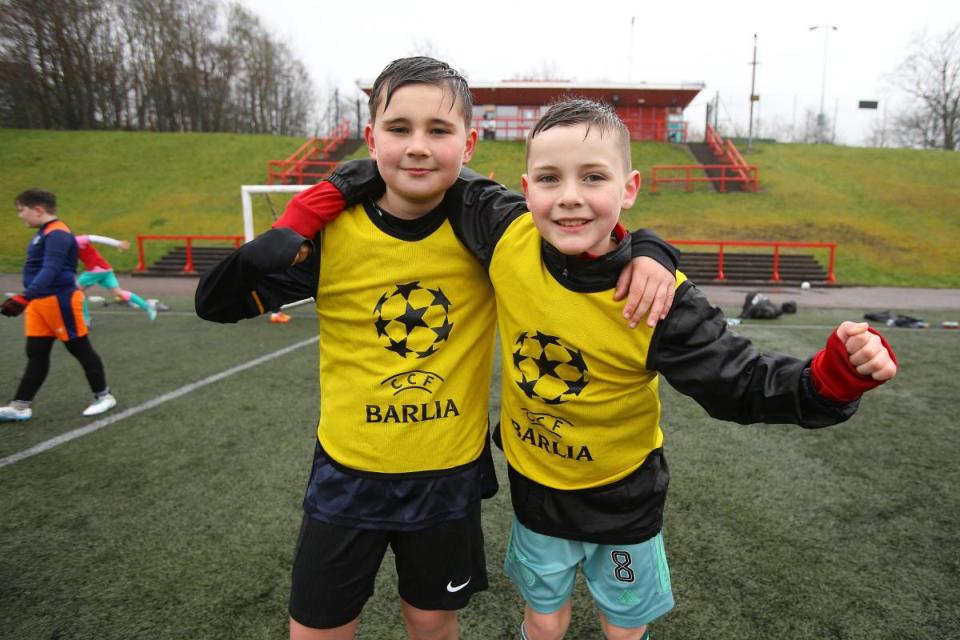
{"type": "Point", "coordinates": [673, 42]}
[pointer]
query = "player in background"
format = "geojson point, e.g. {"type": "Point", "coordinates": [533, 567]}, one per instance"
{"type": "Point", "coordinates": [53, 307]}
{"type": "Point", "coordinates": [100, 272]}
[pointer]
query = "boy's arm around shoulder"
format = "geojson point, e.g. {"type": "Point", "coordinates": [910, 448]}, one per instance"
{"type": "Point", "coordinates": [482, 210]}
{"type": "Point", "coordinates": [350, 183]}
{"type": "Point", "coordinates": [732, 380]}
{"type": "Point", "coordinates": [649, 281]}
{"type": "Point", "coordinates": [260, 276]}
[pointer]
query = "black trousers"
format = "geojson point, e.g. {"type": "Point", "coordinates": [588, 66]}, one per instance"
{"type": "Point", "coordinates": [38, 365]}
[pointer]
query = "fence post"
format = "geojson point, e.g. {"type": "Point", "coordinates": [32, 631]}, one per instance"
{"type": "Point", "coordinates": [831, 277]}
{"type": "Point", "coordinates": [188, 267]}
{"type": "Point", "coordinates": [140, 264]}
{"type": "Point", "coordinates": [776, 262]}
{"type": "Point", "coordinates": [720, 275]}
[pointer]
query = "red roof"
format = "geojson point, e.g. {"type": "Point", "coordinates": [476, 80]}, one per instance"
{"type": "Point", "coordinates": [540, 93]}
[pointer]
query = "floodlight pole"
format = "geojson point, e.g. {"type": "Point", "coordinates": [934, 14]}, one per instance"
{"type": "Point", "coordinates": [821, 117]}
{"type": "Point", "coordinates": [633, 19]}
{"type": "Point", "coordinates": [753, 93]}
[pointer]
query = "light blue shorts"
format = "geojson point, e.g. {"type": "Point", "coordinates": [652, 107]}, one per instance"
{"type": "Point", "coordinates": [630, 583]}
{"type": "Point", "coordinates": [106, 279]}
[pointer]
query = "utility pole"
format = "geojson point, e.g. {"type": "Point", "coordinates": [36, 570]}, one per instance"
{"type": "Point", "coordinates": [630, 53]}
{"type": "Point", "coordinates": [359, 123]}
{"type": "Point", "coordinates": [753, 93]}
{"type": "Point", "coordinates": [822, 117]}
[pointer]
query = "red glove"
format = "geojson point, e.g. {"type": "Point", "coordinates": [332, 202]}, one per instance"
{"type": "Point", "coordinates": [311, 210]}
{"type": "Point", "coordinates": [835, 378]}
{"type": "Point", "coordinates": [14, 306]}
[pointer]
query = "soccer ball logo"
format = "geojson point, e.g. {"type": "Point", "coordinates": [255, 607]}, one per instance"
{"type": "Point", "coordinates": [412, 320]}
{"type": "Point", "coordinates": [549, 370]}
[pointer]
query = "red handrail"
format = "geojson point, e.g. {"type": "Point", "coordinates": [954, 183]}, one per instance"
{"type": "Point", "coordinates": [517, 127]}
{"type": "Point", "coordinates": [832, 246]}
{"type": "Point", "coordinates": [307, 156]}
{"type": "Point", "coordinates": [189, 238]}
{"type": "Point", "coordinates": [747, 174]}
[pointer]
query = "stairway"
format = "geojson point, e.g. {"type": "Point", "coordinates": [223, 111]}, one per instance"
{"type": "Point", "coordinates": [752, 268]}
{"type": "Point", "coordinates": [704, 155]}
{"type": "Point", "coordinates": [345, 148]}
{"type": "Point", "coordinates": [172, 263]}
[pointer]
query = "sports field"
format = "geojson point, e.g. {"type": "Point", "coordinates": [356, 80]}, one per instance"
{"type": "Point", "coordinates": [175, 516]}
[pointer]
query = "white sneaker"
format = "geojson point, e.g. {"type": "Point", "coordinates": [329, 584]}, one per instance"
{"type": "Point", "coordinates": [10, 413]}
{"type": "Point", "coordinates": [100, 405]}
{"type": "Point", "coordinates": [152, 310]}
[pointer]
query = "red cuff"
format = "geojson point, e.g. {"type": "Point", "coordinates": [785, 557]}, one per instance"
{"type": "Point", "coordinates": [619, 233]}
{"type": "Point", "coordinates": [311, 210]}
{"type": "Point", "coordinates": [835, 378]}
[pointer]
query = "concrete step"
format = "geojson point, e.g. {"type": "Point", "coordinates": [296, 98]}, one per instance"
{"type": "Point", "coordinates": [752, 268]}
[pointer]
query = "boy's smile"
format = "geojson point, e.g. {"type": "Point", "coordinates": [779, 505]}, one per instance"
{"type": "Point", "coordinates": [576, 185]}
{"type": "Point", "coordinates": [420, 142]}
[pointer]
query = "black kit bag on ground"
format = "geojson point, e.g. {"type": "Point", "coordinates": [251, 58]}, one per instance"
{"type": "Point", "coordinates": [757, 306]}
{"type": "Point", "coordinates": [790, 306]}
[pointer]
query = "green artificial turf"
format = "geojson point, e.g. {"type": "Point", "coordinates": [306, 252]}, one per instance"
{"type": "Point", "coordinates": [180, 521]}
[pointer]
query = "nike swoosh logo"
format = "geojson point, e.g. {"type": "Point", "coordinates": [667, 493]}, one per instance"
{"type": "Point", "coordinates": [454, 589]}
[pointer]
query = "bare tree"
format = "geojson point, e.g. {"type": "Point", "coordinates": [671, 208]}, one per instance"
{"type": "Point", "coordinates": [165, 65]}
{"type": "Point", "coordinates": [930, 74]}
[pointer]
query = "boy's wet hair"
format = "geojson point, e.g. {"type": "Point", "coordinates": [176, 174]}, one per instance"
{"type": "Point", "coordinates": [420, 70]}
{"type": "Point", "coordinates": [37, 198]}
{"type": "Point", "coordinates": [570, 112]}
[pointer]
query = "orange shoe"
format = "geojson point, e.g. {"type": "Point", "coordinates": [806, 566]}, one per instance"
{"type": "Point", "coordinates": [279, 317]}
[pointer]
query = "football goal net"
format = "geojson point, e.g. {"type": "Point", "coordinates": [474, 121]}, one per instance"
{"type": "Point", "coordinates": [270, 197]}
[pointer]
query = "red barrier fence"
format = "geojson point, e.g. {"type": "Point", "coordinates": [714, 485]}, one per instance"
{"type": "Point", "coordinates": [188, 266]}
{"type": "Point", "coordinates": [734, 170]}
{"type": "Point", "coordinates": [517, 127]}
{"type": "Point", "coordinates": [313, 154]}
{"type": "Point", "coordinates": [775, 276]}
{"type": "Point", "coordinates": [692, 173]}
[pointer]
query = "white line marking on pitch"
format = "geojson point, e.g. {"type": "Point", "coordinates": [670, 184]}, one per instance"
{"type": "Point", "coordinates": [149, 404]}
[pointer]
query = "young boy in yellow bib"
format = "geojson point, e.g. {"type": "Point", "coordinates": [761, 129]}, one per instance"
{"type": "Point", "coordinates": [406, 347]}
{"type": "Point", "coordinates": [580, 416]}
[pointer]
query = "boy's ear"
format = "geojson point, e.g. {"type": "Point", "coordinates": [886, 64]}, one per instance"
{"type": "Point", "coordinates": [471, 145]}
{"type": "Point", "coordinates": [631, 189]}
{"type": "Point", "coordinates": [524, 182]}
{"type": "Point", "coordinates": [371, 143]}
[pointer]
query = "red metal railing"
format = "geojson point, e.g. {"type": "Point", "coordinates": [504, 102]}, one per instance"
{"type": "Point", "coordinates": [517, 128]}
{"type": "Point", "coordinates": [312, 154]}
{"type": "Point", "coordinates": [734, 170]}
{"type": "Point", "coordinates": [713, 139]}
{"type": "Point", "coordinates": [775, 276]}
{"type": "Point", "coordinates": [693, 173]}
{"type": "Point", "coordinates": [188, 266]}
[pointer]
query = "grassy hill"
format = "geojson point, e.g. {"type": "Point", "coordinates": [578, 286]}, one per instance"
{"type": "Point", "coordinates": [121, 183]}
{"type": "Point", "coordinates": [895, 213]}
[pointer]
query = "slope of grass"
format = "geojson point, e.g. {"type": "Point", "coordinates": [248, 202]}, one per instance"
{"type": "Point", "coordinates": [893, 212]}
{"type": "Point", "coordinates": [121, 183]}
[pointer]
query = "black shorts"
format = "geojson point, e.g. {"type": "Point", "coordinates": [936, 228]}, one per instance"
{"type": "Point", "coordinates": [334, 568]}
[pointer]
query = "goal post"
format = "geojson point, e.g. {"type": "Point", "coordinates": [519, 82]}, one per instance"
{"type": "Point", "coordinates": [248, 190]}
